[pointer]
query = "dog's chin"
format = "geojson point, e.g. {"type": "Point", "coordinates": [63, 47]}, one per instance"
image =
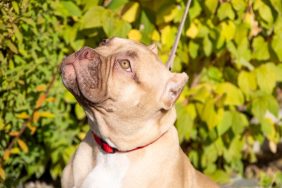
{"type": "Point", "coordinates": [69, 78]}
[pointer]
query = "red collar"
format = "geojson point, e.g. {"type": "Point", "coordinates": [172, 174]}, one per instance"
{"type": "Point", "coordinates": [109, 149]}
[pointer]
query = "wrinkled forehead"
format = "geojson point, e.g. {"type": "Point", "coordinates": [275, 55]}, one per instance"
{"type": "Point", "coordinates": [116, 45]}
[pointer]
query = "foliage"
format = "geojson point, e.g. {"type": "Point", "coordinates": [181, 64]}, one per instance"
{"type": "Point", "coordinates": [230, 49]}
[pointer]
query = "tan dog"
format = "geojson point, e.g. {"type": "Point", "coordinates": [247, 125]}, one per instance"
{"type": "Point", "coordinates": [128, 96]}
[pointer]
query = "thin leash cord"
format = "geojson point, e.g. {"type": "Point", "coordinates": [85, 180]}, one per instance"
{"type": "Point", "coordinates": [170, 61]}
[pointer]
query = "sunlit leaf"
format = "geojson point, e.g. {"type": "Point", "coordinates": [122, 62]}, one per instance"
{"type": "Point", "coordinates": [192, 30]}
{"type": "Point", "coordinates": [79, 112]}
{"type": "Point", "coordinates": [263, 103]}
{"type": "Point", "coordinates": [22, 145]}
{"type": "Point", "coordinates": [264, 12]}
{"type": "Point", "coordinates": [211, 5]}
{"type": "Point", "coordinates": [22, 115]}
{"type": "Point", "coordinates": [2, 173]}
{"type": "Point", "coordinates": [156, 36]}
{"type": "Point", "coordinates": [195, 10]}
{"type": "Point", "coordinates": [193, 49]}
{"type": "Point", "coordinates": [135, 34]}
{"type": "Point", "coordinates": [6, 155]}
{"type": "Point", "coordinates": [94, 17]}
{"type": "Point", "coordinates": [72, 8]}
{"type": "Point", "coordinates": [225, 11]}
{"type": "Point", "coordinates": [277, 45]}
{"type": "Point", "coordinates": [277, 4]}
{"type": "Point", "coordinates": [225, 123]}
{"type": "Point", "coordinates": [131, 13]}
{"type": "Point", "coordinates": [260, 49]}
{"type": "Point", "coordinates": [239, 5]}
{"type": "Point", "coordinates": [14, 133]}
{"type": "Point", "coordinates": [40, 101]}
{"type": "Point", "coordinates": [266, 77]}
{"type": "Point", "coordinates": [12, 46]}
{"type": "Point", "coordinates": [228, 30]}
{"type": "Point", "coordinates": [247, 82]}
{"type": "Point", "coordinates": [233, 94]}
{"type": "Point", "coordinates": [41, 87]}
{"type": "Point", "coordinates": [207, 45]}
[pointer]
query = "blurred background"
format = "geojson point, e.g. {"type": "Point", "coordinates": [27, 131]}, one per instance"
{"type": "Point", "coordinates": [229, 114]}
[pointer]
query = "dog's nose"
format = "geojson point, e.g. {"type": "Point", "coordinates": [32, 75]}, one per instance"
{"type": "Point", "coordinates": [85, 53]}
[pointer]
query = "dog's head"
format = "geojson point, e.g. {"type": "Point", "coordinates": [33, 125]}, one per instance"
{"type": "Point", "coordinates": [124, 88]}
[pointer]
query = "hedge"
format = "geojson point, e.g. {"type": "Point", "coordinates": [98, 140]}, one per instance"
{"type": "Point", "coordinates": [231, 50]}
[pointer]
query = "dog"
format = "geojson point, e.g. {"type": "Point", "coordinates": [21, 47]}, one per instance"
{"type": "Point", "coordinates": [128, 96]}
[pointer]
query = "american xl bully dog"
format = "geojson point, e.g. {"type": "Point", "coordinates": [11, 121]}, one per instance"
{"type": "Point", "coordinates": [128, 96]}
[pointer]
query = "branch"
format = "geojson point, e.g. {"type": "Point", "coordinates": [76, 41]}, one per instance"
{"type": "Point", "coordinates": [29, 120]}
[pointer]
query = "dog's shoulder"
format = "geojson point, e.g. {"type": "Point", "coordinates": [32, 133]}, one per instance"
{"type": "Point", "coordinates": [82, 162]}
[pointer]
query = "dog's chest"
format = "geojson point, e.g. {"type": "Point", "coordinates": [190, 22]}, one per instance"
{"type": "Point", "coordinates": [108, 172]}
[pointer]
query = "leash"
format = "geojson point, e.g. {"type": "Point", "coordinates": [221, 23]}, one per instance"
{"type": "Point", "coordinates": [170, 60]}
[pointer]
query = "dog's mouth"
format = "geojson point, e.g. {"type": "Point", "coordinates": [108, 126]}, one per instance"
{"type": "Point", "coordinates": [83, 74]}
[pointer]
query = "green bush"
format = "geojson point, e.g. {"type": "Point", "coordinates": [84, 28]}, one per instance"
{"type": "Point", "coordinates": [230, 49]}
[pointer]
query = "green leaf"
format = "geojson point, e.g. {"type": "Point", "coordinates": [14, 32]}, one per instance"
{"type": "Point", "coordinates": [195, 10]}
{"type": "Point", "coordinates": [211, 5]}
{"type": "Point", "coordinates": [114, 5]}
{"type": "Point", "coordinates": [276, 44]}
{"type": "Point", "coordinates": [167, 36]}
{"type": "Point", "coordinates": [277, 5]}
{"type": "Point", "coordinates": [201, 92]}
{"type": "Point", "coordinates": [233, 95]}
{"type": "Point", "coordinates": [241, 54]}
{"type": "Point", "coordinates": [16, 7]}
{"type": "Point", "coordinates": [264, 12]}
{"type": "Point", "coordinates": [225, 123]}
{"type": "Point", "coordinates": [79, 112]}
{"type": "Point", "coordinates": [268, 129]}
{"type": "Point", "coordinates": [121, 27]}
{"type": "Point", "coordinates": [69, 98]}
{"type": "Point", "coordinates": [233, 153]}
{"type": "Point", "coordinates": [228, 30]}
{"type": "Point", "coordinates": [71, 8]}
{"type": "Point", "coordinates": [219, 176]}
{"type": "Point", "coordinates": [209, 156]}
{"type": "Point", "coordinates": [148, 27]}
{"type": "Point", "coordinates": [239, 5]}
{"type": "Point", "coordinates": [266, 77]}
{"type": "Point", "coordinates": [263, 103]}
{"type": "Point", "coordinates": [239, 122]}
{"type": "Point", "coordinates": [131, 12]}
{"type": "Point", "coordinates": [260, 49]}
{"type": "Point", "coordinates": [225, 11]}
{"type": "Point", "coordinates": [207, 45]}
{"type": "Point", "coordinates": [167, 14]}
{"type": "Point", "coordinates": [94, 17]}
{"type": "Point", "coordinates": [11, 46]}
{"type": "Point", "coordinates": [209, 114]}
{"type": "Point", "coordinates": [89, 3]}
{"type": "Point", "coordinates": [278, 72]}
{"type": "Point", "coordinates": [184, 123]}
{"type": "Point", "coordinates": [193, 49]}
{"type": "Point", "coordinates": [247, 82]}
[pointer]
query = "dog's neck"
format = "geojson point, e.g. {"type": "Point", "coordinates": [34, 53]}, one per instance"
{"type": "Point", "coordinates": [144, 136]}
{"type": "Point", "coordinates": [107, 148]}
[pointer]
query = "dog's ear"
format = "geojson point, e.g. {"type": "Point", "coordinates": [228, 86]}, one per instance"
{"type": "Point", "coordinates": [173, 89]}
{"type": "Point", "coordinates": [153, 47]}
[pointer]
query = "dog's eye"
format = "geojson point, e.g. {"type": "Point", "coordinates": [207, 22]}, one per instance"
{"type": "Point", "coordinates": [125, 64]}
